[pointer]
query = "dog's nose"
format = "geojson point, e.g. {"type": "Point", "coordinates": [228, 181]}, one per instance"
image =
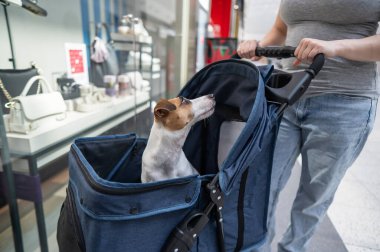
{"type": "Point", "coordinates": [211, 96]}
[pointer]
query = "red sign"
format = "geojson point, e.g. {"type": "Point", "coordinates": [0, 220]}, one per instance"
{"type": "Point", "coordinates": [76, 61]}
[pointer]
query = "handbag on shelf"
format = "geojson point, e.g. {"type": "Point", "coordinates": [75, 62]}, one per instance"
{"type": "Point", "coordinates": [27, 111]}
{"type": "Point", "coordinates": [103, 57]}
{"type": "Point", "coordinates": [14, 82]}
{"type": "Point", "coordinates": [69, 88]}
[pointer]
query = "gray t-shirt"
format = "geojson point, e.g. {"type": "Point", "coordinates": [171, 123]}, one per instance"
{"type": "Point", "coordinates": [333, 20]}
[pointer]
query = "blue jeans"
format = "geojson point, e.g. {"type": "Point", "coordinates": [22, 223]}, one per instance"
{"type": "Point", "coordinates": [329, 131]}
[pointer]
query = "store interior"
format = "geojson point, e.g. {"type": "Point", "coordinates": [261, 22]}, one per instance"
{"type": "Point", "coordinates": [110, 62]}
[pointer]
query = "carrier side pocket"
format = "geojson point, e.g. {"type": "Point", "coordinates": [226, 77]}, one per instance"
{"type": "Point", "coordinates": [240, 238]}
{"type": "Point", "coordinates": [69, 233]}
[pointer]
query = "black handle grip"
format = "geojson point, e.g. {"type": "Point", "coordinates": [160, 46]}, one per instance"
{"type": "Point", "coordinates": [317, 64]}
{"type": "Point", "coordinates": [286, 52]}
{"type": "Point", "coordinates": [272, 52]}
{"type": "Point", "coordinates": [275, 51]}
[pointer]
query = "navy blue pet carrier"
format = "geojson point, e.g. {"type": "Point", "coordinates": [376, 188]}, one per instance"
{"type": "Point", "coordinates": [107, 208]}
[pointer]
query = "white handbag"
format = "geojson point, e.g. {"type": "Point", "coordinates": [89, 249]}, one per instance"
{"type": "Point", "coordinates": [26, 111]}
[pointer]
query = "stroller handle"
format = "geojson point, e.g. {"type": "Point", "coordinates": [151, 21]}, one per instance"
{"type": "Point", "coordinates": [282, 52]}
{"type": "Point", "coordinates": [290, 92]}
{"type": "Point", "coordinates": [276, 51]}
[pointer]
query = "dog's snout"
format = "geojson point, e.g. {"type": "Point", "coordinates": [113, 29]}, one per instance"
{"type": "Point", "coordinates": [211, 96]}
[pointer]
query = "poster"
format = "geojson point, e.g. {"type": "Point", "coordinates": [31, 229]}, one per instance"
{"type": "Point", "coordinates": [76, 62]}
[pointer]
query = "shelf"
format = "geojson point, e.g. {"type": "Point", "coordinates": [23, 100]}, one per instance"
{"type": "Point", "coordinates": [148, 75]}
{"type": "Point", "coordinates": [102, 119]}
{"type": "Point", "coordinates": [144, 68]}
{"type": "Point", "coordinates": [125, 43]}
{"type": "Point", "coordinates": [129, 39]}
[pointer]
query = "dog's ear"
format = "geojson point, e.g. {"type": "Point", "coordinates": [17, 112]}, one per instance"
{"type": "Point", "coordinates": [161, 112]}
{"type": "Point", "coordinates": [163, 108]}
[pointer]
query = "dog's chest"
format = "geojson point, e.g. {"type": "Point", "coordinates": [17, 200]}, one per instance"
{"type": "Point", "coordinates": [164, 158]}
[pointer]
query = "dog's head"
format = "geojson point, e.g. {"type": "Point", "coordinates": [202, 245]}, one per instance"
{"type": "Point", "coordinates": [180, 113]}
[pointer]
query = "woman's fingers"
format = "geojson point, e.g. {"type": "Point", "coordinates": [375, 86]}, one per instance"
{"type": "Point", "coordinates": [247, 49]}
{"type": "Point", "coordinates": [312, 54]}
{"type": "Point", "coordinates": [307, 50]}
{"type": "Point", "coordinates": [299, 47]}
{"type": "Point", "coordinates": [241, 51]}
{"type": "Point", "coordinates": [296, 62]}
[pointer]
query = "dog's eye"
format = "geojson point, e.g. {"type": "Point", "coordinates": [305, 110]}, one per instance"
{"type": "Point", "coordinates": [185, 101]}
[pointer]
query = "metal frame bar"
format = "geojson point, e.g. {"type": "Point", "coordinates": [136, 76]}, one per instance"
{"type": "Point", "coordinates": [10, 185]}
{"type": "Point", "coordinates": [38, 206]}
{"type": "Point", "coordinates": [12, 59]}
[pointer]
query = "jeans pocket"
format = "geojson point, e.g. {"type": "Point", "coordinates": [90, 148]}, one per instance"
{"type": "Point", "coordinates": [347, 120]}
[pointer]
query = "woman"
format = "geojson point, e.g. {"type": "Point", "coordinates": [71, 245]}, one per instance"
{"type": "Point", "coordinates": [329, 125]}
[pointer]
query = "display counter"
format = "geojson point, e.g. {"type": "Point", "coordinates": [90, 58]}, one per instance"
{"type": "Point", "coordinates": [55, 138]}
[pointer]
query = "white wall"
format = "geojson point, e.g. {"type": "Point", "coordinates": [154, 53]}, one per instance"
{"type": "Point", "coordinates": [162, 10]}
{"type": "Point", "coordinates": [259, 16]}
{"type": "Point", "coordinates": [41, 39]}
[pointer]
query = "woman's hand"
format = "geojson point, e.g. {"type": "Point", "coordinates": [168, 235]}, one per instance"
{"type": "Point", "coordinates": [276, 36]}
{"type": "Point", "coordinates": [308, 48]}
{"type": "Point", "coordinates": [247, 49]}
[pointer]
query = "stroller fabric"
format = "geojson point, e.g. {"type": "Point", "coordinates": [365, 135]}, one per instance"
{"type": "Point", "coordinates": [108, 209]}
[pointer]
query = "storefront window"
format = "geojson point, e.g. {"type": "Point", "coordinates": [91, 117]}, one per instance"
{"type": "Point", "coordinates": [101, 65]}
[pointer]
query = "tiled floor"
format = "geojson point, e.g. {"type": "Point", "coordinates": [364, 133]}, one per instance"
{"type": "Point", "coordinates": [54, 193]}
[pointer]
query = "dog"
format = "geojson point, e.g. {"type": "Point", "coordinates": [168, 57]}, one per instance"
{"type": "Point", "coordinates": [163, 157]}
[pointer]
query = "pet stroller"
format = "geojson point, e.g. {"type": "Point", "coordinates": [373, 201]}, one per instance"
{"type": "Point", "coordinates": [224, 208]}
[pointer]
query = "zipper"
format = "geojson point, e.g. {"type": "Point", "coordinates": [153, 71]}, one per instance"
{"type": "Point", "coordinates": [119, 191]}
{"type": "Point", "coordinates": [75, 218]}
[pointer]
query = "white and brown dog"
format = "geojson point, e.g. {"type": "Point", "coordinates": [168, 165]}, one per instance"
{"type": "Point", "coordinates": [163, 157]}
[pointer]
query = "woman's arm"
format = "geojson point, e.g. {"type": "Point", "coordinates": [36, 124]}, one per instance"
{"type": "Point", "coordinates": [365, 49]}
{"type": "Point", "coordinates": [276, 36]}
